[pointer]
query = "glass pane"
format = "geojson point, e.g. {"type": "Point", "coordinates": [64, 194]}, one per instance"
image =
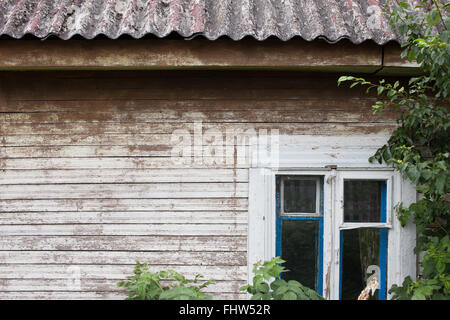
{"type": "Point", "coordinates": [362, 200]}
{"type": "Point", "coordinates": [360, 261]}
{"type": "Point", "coordinates": [300, 249]}
{"type": "Point", "coordinates": [299, 195]}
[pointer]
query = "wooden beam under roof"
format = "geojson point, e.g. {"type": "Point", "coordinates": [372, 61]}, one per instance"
{"type": "Point", "coordinates": [198, 54]}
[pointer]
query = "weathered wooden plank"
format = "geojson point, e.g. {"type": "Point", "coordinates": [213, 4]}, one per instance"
{"type": "Point", "coordinates": [64, 90]}
{"type": "Point", "coordinates": [176, 144]}
{"type": "Point", "coordinates": [392, 58]}
{"type": "Point", "coordinates": [163, 79]}
{"type": "Point", "coordinates": [92, 295]}
{"type": "Point", "coordinates": [79, 129]}
{"type": "Point", "coordinates": [154, 85]}
{"type": "Point", "coordinates": [10, 177]}
{"type": "Point", "coordinates": [129, 191]}
{"type": "Point", "coordinates": [128, 229]}
{"type": "Point", "coordinates": [220, 162]}
{"type": "Point", "coordinates": [124, 257]}
{"type": "Point", "coordinates": [254, 115]}
{"type": "Point", "coordinates": [121, 243]}
{"type": "Point", "coordinates": [136, 143]}
{"type": "Point", "coordinates": [211, 204]}
{"type": "Point", "coordinates": [87, 285]}
{"type": "Point", "coordinates": [166, 217]}
{"type": "Point", "coordinates": [174, 149]}
{"type": "Point", "coordinates": [208, 152]}
{"type": "Point", "coordinates": [308, 156]}
{"type": "Point", "coordinates": [115, 272]}
{"type": "Point", "coordinates": [221, 53]}
{"type": "Point", "coordinates": [157, 80]}
{"type": "Point", "coordinates": [316, 103]}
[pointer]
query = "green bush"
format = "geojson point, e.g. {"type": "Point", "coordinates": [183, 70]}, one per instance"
{"type": "Point", "coordinates": [268, 286]}
{"type": "Point", "coordinates": [418, 148]}
{"type": "Point", "coordinates": [146, 285]}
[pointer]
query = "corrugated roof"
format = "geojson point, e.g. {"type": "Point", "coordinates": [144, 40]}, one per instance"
{"type": "Point", "coordinates": [309, 19]}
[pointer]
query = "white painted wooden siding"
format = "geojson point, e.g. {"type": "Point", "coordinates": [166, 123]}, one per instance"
{"type": "Point", "coordinates": [88, 184]}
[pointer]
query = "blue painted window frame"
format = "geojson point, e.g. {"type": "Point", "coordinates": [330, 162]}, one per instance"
{"type": "Point", "coordinates": [278, 244]}
{"type": "Point", "coordinates": [383, 248]}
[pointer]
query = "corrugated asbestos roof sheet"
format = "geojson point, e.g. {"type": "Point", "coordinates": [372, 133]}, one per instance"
{"type": "Point", "coordinates": [356, 20]}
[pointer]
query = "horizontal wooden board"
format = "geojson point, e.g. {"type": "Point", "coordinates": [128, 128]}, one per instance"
{"type": "Point", "coordinates": [132, 128]}
{"type": "Point", "coordinates": [127, 163]}
{"type": "Point", "coordinates": [213, 150]}
{"type": "Point", "coordinates": [114, 217]}
{"type": "Point", "coordinates": [93, 89]}
{"type": "Point", "coordinates": [222, 53]}
{"type": "Point", "coordinates": [87, 285]}
{"type": "Point", "coordinates": [93, 295]}
{"type": "Point", "coordinates": [121, 243]}
{"type": "Point", "coordinates": [317, 103]}
{"type": "Point", "coordinates": [123, 190]}
{"type": "Point", "coordinates": [204, 258]}
{"type": "Point", "coordinates": [182, 144]}
{"type": "Point", "coordinates": [212, 204]}
{"type": "Point", "coordinates": [205, 229]}
{"type": "Point", "coordinates": [160, 79]}
{"type": "Point", "coordinates": [11, 177]}
{"type": "Point", "coordinates": [252, 115]}
{"type": "Point", "coordinates": [116, 272]}
{"type": "Point", "coordinates": [136, 143]}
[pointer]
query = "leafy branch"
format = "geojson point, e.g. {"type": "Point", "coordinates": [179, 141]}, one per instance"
{"type": "Point", "coordinates": [146, 285]}
{"type": "Point", "coordinates": [418, 148]}
{"type": "Point", "coordinates": [267, 285]}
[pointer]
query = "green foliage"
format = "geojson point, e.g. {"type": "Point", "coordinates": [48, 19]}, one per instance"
{"type": "Point", "coordinates": [266, 284]}
{"type": "Point", "coordinates": [425, 29]}
{"type": "Point", "coordinates": [146, 285]}
{"type": "Point", "coordinates": [418, 148]}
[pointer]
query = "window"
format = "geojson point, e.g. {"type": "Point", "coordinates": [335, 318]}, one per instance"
{"type": "Point", "coordinates": [334, 228]}
{"type": "Point", "coordinates": [363, 248]}
{"type": "Point", "coordinates": [299, 228]}
{"type": "Point", "coordinates": [300, 195]}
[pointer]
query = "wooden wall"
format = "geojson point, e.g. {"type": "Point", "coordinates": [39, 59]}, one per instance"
{"type": "Point", "coordinates": [88, 184]}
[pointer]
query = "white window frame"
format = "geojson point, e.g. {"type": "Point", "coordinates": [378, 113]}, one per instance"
{"type": "Point", "coordinates": [364, 175]}
{"type": "Point", "coordinates": [318, 212]}
{"type": "Point", "coordinates": [262, 220]}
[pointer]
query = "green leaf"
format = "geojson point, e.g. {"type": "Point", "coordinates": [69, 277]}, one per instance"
{"type": "Point", "coordinates": [289, 296]}
{"type": "Point", "coordinates": [418, 296]}
{"type": "Point", "coordinates": [396, 84]}
{"type": "Point", "coordinates": [281, 290]}
{"type": "Point", "coordinates": [344, 78]}
{"type": "Point", "coordinates": [278, 283]}
{"type": "Point", "coordinates": [263, 287]}
{"type": "Point", "coordinates": [257, 296]}
{"type": "Point", "coordinates": [434, 18]}
{"type": "Point", "coordinates": [440, 183]}
{"type": "Point", "coordinates": [413, 174]}
{"type": "Point", "coordinates": [411, 55]}
{"type": "Point", "coordinates": [380, 90]}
